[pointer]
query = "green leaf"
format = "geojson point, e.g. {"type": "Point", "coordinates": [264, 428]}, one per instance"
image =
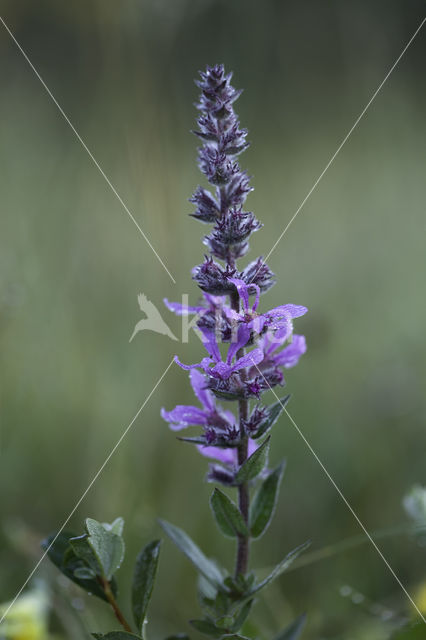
{"type": "Point", "coordinates": [280, 568]}
{"type": "Point", "coordinates": [254, 464]}
{"type": "Point", "coordinates": [80, 547]}
{"type": "Point", "coordinates": [178, 636]}
{"type": "Point", "coordinates": [62, 555]}
{"type": "Point", "coordinates": [116, 635]}
{"type": "Point", "coordinates": [84, 573]}
{"type": "Point", "coordinates": [116, 526]}
{"type": "Point", "coordinates": [273, 412]}
{"type": "Point", "coordinates": [107, 546]}
{"type": "Point", "coordinates": [293, 631]}
{"type": "Point", "coordinates": [207, 627]}
{"type": "Point", "coordinates": [227, 515]}
{"type": "Point", "coordinates": [263, 506]}
{"type": "Point", "coordinates": [242, 616]}
{"type": "Point", "coordinates": [143, 581]}
{"type": "Point", "coordinates": [205, 566]}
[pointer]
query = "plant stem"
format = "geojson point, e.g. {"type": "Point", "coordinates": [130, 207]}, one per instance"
{"type": "Point", "coordinates": [114, 604]}
{"type": "Point", "coordinates": [243, 546]}
{"type": "Point", "coordinates": [243, 542]}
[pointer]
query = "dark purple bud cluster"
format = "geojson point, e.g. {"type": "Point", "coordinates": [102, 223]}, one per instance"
{"type": "Point", "coordinates": [228, 239]}
{"type": "Point", "coordinates": [224, 139]}
{"type": "Point", "coordinates": [212, 278]}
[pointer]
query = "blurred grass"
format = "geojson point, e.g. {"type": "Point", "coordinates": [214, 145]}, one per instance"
{"type": "Point", "coordinates": [72, 264]}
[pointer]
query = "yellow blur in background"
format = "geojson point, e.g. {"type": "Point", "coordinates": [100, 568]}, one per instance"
{"type": "Point", "coordinates": [27, 618]}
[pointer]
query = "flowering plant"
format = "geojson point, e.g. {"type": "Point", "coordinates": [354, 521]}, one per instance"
{"type": "Point", "coordinates": [257, 347]}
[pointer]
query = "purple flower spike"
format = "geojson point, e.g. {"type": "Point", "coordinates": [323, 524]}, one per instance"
{"type": "Point", "coordinates": [258, 346]}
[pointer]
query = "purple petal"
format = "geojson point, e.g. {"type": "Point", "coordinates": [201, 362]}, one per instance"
{"type": "Point", "coordinates": [181, 309]}
{"type": "Point", "coordinates": [183, 416]}
{"type": "Point", "coordinates": [187, 367]}
{"type": "Point", "coordinates": [221, 371]}
{"type": "Point", "coordinates": [242, 289]}
{"type": "Point", "coordinates": [257, 298]}
{"type": "Point", "coordinates": [258, 323]}
{"type": "Point", "coordinates": [243, 336]}
{"type": "Point", "coordinates": [243, 292]}
{"type": "Point", "coordinates": [210, 343]}
{"type": "Point", "coordinates": [250, 359]}
{"type": "Point", "coordinates": [289, 356]}
{"type": "Point", "coordinates": [198, 383]}
{"type": "Point", "coordinates": [271, 340]}
{"type": "Point", "coordinates": [288, 310]}
{"type": "Point", "coordinates": [252, 446]}
{"type": "Point", "coordinates": [226, 456]}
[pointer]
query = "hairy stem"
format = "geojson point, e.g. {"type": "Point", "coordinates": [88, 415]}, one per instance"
{"type": "Point", "coordinates": [114, 605]}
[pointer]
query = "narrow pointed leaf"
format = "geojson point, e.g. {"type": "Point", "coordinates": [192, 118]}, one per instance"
{"type": "Point", "coordinates": [263, 506]}
{"type": "Point", "coordinates": [143, 581]}
{"type": "Point", "coordinates": [273, 413]}
{"type": "Point", "coordinates": [280, 568]}
{"type": "Point", "coordinates": [207, 627]}
{"type": "Point", "coordinates": [242, 616]}
{"type": "Point", "coordinates": [293, 631]}
{"type": "Point", "coordinates": [227, 515]}
{"type": "Point", "coordinates": [205, 566]}
{"type": "Point", "coordinates": [254, 464]}
{"type": "Point", "coordinates": [107, 546]}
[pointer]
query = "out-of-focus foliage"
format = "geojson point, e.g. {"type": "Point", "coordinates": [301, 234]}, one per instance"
{"type": "Point", "coordinates": [27, 618]}
{"type": "Point", "coordinates": [72, 264]}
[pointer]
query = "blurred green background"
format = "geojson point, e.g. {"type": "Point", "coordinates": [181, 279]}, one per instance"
{"type": "Point", "coordinates": [72, 264]}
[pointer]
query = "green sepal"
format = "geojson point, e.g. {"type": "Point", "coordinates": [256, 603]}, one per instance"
{"type": "Point", "coordinates": [219, 443]}
{"type": "Point", "coordinates": [263, 506]}
{"type": "Point", "coordinates": [107, 546]}
{"type": "Point", "coordinates": [207, 627]}
{"type": "Point", "coordinates": [293, 631]}
{"type": "Point", "coordinates": [254, 464]}
{"type": "Point", "coordinates": [273, 412]}
{"type": "Point", "coordinates": [227, 515]}
{"type": "Point", "coordinates": [279, 569]}
{"type": "Point", "coordinates": [205, 566]}
{"type": "Point", "coordinates": [227, 395]}
{"type": "Point", "coordinates": [143, 581]}
{"type": "Point", "coordinates": [63, 557]}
